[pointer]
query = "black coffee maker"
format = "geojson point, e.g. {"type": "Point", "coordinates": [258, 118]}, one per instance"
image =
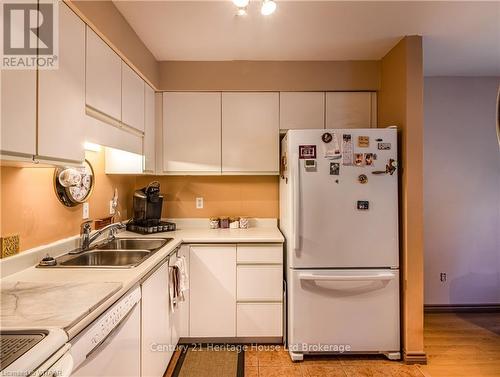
{"type": "Point", "coordinates": [147, 205]}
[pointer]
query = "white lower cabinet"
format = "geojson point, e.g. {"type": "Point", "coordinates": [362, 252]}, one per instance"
{"type": "Point", "coordinates": [179, 318]}
{"type": "Point", "coordinates": [236, 290]}
{"type": "Point", "coordinates": [212, 310]}
{"type": "Point", "coordinates": [259, 283]}
{"type": "Point", "coordinates": [155, 324]}
{"type": "Point", "coordinates": [259, 319]}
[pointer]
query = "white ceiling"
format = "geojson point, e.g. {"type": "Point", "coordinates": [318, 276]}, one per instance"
{"type": "Point", "coordinates": [460, 38]}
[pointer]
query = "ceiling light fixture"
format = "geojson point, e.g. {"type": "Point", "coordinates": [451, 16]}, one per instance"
{"type": "Point", "coordinates": [268, 7]}
{"type": "Point", "coordinates": [241, 3]}
{"type": "Point", "coordinates": [241, 11]}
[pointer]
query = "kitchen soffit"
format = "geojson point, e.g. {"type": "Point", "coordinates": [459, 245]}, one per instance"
{"type": "Point", "coordinates": [460, 38]}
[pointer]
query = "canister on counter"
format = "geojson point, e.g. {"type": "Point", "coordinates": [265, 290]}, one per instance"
{"type": "Point", "coordinates": [224, 222]}
{"type": "Point", "coordinates": [244, 223]}
{"type": "Point", "coordinates": [214, 223]}
{"type": "Point", "coordinates": [234, 222]}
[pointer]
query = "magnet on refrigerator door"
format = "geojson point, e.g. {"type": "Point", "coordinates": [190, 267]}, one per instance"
{"type": "Point", "coordinates": [358, 159]}
{"type": "Point", "coordinates": [310, 165]}
{"type": "Point", "coordinates": [334, 168]}
{"type": "Point", "coordinates": [331, 149]}
{"type": "Point", "coordinates": [363, 141]}
{"type": "Point", "coordinates": [362, 178]}
{"type": "Point", "coordinates": [327, 137]}
{"type": "Point", "coordinates": [384, 146]}
{"type": "Point", "coordinates": [347, 149]}
{"type": "Point", "coordinates": [369, 159]}
{"type": "Point", "coordinates": [307, 152]}
{"type": "Point", "coordinates": [363, 205]}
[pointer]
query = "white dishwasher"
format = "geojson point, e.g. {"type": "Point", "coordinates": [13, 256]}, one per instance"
{"type": "Point", "coordinates": [111, 345]}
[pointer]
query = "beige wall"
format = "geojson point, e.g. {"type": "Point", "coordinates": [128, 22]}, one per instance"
{"type": "Point", "coordinates": [105, 19]}
{"type": "Point", "coordinates": [30, 208]}
{"type": "Point", "coordinates": [461, 191]}
{"type": "Point", "coordinates": [252, 196]}
{"type": "Point", "coordinates": [400, 102]}
{"type": "Point", "coordinates": [270, 75]}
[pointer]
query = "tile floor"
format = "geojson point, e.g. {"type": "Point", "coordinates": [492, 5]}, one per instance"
{"type": "Point", "coordinates": [457, 345]}
{"type": "Point", "coordinates": [262, 363]}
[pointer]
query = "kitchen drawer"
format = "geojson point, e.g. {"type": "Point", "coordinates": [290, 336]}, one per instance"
{"type": "Point", "coordinates": [259, 253]}
{"type": "Point", "coordinates": [259, 319]}
{"type": "Point", "coordinates": [259, 283]}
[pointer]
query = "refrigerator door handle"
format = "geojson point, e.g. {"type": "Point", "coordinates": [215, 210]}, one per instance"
{"type": "Point", "coordinates": [296, 202]}
{"type": "Point", "coordinates": [379, 276]}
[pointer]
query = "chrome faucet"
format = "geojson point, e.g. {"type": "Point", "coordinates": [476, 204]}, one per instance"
{"type": "Point", "coordinates": [87, 239]}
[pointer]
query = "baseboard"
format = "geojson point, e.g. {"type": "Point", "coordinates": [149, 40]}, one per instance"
{"type": "Point", "coordinates": [474, 308]}
{"type": "Point", "coordinates": [414, 357]}
{"type": "Point", "coordinates": [233, 340]}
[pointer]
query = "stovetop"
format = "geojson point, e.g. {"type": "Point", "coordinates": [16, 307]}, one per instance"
{"type": "Point", "coordinates": [15, 343]}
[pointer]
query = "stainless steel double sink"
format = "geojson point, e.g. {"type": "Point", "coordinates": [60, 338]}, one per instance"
{"type": "Point", "coordinates": [116, 253]}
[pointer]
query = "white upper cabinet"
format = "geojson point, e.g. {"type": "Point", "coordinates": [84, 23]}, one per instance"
{"type": "Point", "coordinates": [250, 133]}
{"type": "Point", "coordinates": [191, 133]}
{"type": "Point", "coordinates": [149, 130]}
{"type": "Point", "coordinates": [18, 112]}
{"type": "Point", "coordinates": [351, 109]}
{"type": "Point", "coordinates": [132, 98]}
{"type": "Point", "coordinates": [103, 78]}
{"type": "Point", "coordinates": [61, 95]}
{"type": "Point", "coordinates": [302, 110]}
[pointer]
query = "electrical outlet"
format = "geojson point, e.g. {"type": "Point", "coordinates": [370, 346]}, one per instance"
{"type": "Point", "coordinates": [10, 245]}
{"type": "Point", "coordinates": [199, 203]}
{"type": "Point", "coordinates": [111, 208]}
{"type": "Point", "coordinates": [86, 210]}
{"type": "Point", "coordinates": [442, 276]}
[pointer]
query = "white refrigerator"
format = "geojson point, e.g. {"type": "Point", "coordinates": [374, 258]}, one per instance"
{"type": "Point", "coordinates": [339, 215]}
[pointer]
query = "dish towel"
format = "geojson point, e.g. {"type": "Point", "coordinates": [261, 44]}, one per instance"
{"type": "Point", "coordinates": [178, 282]}
{"type": "Point", "coordinates": [183, 280]}
{"type": "Point", "coordinates": [173, 277]}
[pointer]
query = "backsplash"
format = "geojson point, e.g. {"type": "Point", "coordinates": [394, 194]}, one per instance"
{"type": "Point", "coordinates": [250, 196]}
{"type": "Point", "coordinates": [30, 208]}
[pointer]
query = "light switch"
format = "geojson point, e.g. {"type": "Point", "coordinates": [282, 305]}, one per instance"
{"type": "Point", "coordinates": [86, 210]}
{"type": "Point", "coordinates": [199, 203]}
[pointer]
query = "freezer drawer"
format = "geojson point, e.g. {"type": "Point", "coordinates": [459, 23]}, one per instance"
{"type": "Point", "coordinates": [343, 310]}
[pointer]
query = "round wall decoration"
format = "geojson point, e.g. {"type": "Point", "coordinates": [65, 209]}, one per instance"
{"type": "Point", "coordinates": [74, 186]}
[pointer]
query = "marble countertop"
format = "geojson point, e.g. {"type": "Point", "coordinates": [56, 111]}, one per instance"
{"type": "Point", "coordinates": [62, 305]}
{"type": "Point", "coordinates": [128, 278]}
